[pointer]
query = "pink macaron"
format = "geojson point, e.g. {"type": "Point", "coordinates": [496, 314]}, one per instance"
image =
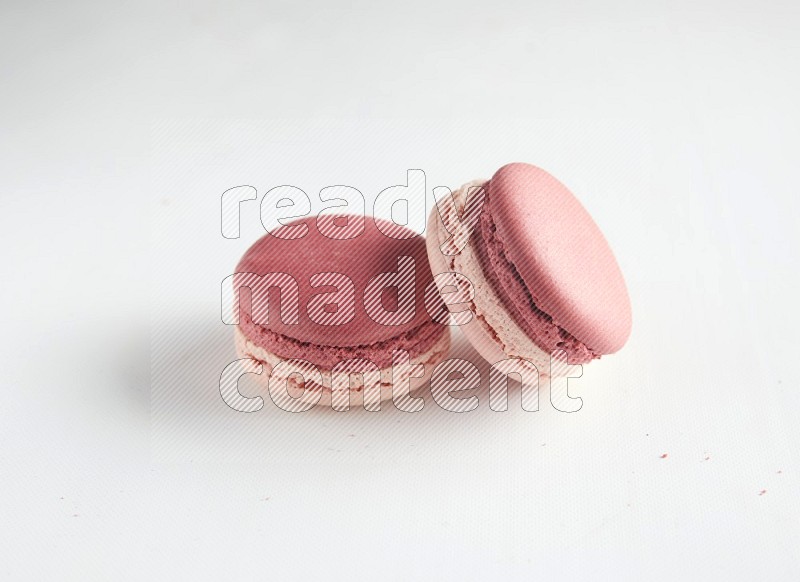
{"type": "Point", "coordinates": [544, 278]}
{"type": "Point", "coordinates": [332, 291]}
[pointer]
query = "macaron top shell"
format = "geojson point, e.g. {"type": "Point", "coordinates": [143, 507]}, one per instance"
{"type": "Point", "coordinates": [360, 259]}
{"type": "Point", "coordinates": [561, 256]}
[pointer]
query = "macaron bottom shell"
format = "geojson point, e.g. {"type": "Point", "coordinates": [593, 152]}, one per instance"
{"type": "Point", "coordinates": [308, 394]}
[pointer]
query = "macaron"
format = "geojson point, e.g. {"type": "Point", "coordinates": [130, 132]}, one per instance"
{"type": "Point", "coordinates": [544, 278]}
{"type": "Point", "coordinates": [351, 291]}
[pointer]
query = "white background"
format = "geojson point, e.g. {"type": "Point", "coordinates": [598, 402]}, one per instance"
{"type": "Point", "coordinates": [675, 124]}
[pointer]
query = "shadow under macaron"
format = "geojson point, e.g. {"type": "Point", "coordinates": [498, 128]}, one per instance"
{"type": "Point", "coordinates": [191, 422]}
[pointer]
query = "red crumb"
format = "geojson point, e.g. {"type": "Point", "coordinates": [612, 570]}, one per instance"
{"type": "Point", "coordinates": [762, 492]}
{"type": "Point", "coordinates": [664, 456]}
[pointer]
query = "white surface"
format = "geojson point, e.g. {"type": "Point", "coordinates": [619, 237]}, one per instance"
{"type": "Point", "coordinates": [676, 126]}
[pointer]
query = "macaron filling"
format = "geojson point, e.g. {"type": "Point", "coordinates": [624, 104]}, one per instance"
{"type": "Point", "coordinates": [504, 277]}
{"type": "Point", "coordinates": [415, 341]}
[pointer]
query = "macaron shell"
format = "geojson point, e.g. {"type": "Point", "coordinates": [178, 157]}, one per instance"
{"type": "Point", "coordinates": [361, 258]}
{"type": "Point", "coordinates": [561, 255]}
{"type": "Point", "coordinates": [482, 340]}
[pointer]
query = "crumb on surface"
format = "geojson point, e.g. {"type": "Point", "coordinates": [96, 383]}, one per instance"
{"type": "Point", "coordinates": [663, 456]}
{"type": "Point", "coordinates": [762, 492]}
